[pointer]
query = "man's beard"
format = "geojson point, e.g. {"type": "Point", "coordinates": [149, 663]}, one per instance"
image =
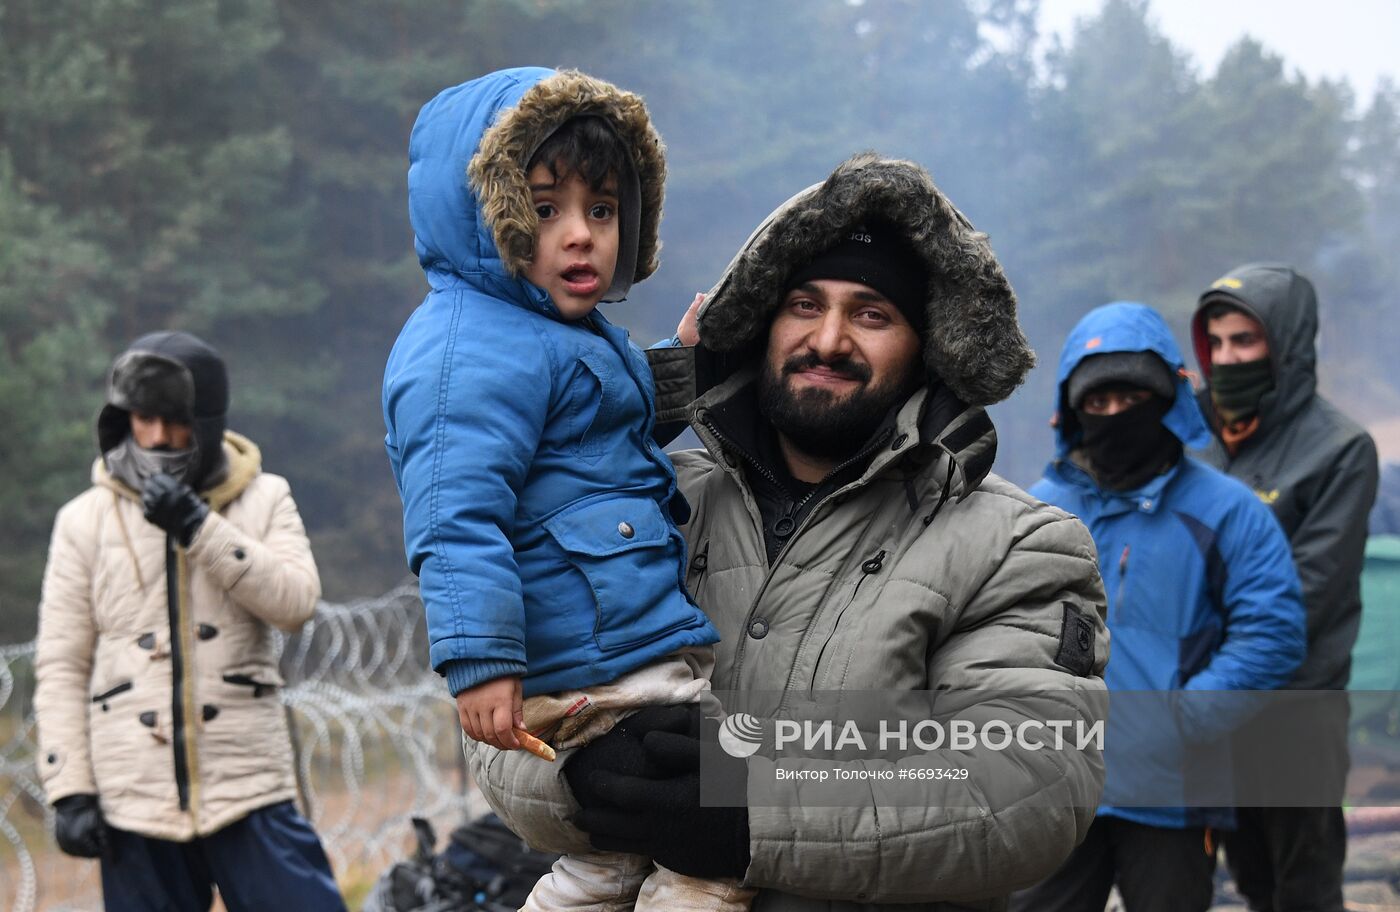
{"type": "Point", "coordinates": [816, 421]}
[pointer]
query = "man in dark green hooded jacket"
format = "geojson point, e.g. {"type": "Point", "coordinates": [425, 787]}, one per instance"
{"type": "Point", "coordinates": [1254, 333]}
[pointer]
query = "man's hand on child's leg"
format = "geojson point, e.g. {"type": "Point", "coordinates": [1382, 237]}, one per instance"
{"type": "Point", "coordinates": [490, 712]}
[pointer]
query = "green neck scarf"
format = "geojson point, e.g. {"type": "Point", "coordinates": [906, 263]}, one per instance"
{"type": "Point", "coordinates": [1236, 389]}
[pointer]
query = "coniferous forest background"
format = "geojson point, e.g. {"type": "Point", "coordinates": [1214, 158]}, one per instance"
{"type": "Point", "coordinates": [236, 168]}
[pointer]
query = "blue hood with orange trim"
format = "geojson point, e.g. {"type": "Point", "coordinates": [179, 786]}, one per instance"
{"type": "Point", "coordinates": [1126, 326]}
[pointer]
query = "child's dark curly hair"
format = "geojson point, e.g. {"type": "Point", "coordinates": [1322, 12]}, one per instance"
{"type": "Point", "coordinates": [585, 146]}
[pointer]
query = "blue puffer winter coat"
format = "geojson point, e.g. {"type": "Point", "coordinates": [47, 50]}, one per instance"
{"type": "Point", "coordinates": [1202, 594]}
{"type": "Point", "coordinates": [538, 514]}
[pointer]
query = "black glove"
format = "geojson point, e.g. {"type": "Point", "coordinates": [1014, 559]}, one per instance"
{"type": "Point", "coordinates": [78, 826]}
{"type": "Point", "coordinates": [620, 750]}
{"type": "Point", "coordinates": [657, 812]}
{"type": "Point", "coordinates": [173, 506]}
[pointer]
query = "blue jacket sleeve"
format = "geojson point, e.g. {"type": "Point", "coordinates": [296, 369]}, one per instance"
{"type": "Point", "coordinates": [1265, 632]}
{"type": "Point", "coordinates": [1044, 489]}
{"type": "Point", "coordinates": [465, 407]}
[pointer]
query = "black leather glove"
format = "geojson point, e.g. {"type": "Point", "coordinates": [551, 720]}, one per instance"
{"type": "Point", "coordinates": [79, 827]}
{"type": "Point", "coordinates": [173, 506]}
{"type": "Point", "coordinates": [657, 811]}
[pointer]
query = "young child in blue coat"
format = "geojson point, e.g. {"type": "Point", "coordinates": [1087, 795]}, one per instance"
{"type": "Point", "coordinates": [539, 514]}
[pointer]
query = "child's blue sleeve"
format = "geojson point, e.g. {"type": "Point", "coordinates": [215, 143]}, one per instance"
{"type": "Point", "coordinates": [465, 405]}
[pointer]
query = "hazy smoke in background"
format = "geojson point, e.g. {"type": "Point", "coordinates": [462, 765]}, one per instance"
{"type": "Point", "coordinates": [239, 172]}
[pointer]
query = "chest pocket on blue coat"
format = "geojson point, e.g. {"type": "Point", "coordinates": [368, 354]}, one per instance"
{"type": "Point", "coordinates": [591, 405]}
{"type": "Point", "coordinates": [623, 546]}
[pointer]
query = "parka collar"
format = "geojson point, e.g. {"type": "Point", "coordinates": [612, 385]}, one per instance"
{"type": "Point", "coordinates": [928, 424]}
{"type": "Point", "coordinates": [1145, 498]}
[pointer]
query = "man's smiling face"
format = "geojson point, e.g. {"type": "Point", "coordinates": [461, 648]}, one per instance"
{"type": "Point", "coordinates": [840, 355]}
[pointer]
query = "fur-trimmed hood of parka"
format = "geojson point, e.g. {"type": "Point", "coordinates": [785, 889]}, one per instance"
{"type": "Point", "coordinates": [973, 343]}
{"type": "Point", "coordinates": [469, 200]}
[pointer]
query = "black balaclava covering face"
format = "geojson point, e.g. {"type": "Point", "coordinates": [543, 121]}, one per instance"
{"type": "Point", "coordinates": [1130, 448]}
{"type": "Point", "coordinates": [176, 376]}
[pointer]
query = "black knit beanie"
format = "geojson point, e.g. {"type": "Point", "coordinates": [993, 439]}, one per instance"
{"type": "Point", "coordinates": [879, 257]}
{"type": "Point", "coordinates": [1140, 369]}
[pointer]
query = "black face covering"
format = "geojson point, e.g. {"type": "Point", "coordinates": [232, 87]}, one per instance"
{"type": "Point", "coordinates": [1130, 448]}
{"type": "Point", "coordinates": [1237, 388]}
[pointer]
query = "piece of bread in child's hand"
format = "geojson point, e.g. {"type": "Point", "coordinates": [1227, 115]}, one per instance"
{"type": "Point", "coordinates": [534, 745]}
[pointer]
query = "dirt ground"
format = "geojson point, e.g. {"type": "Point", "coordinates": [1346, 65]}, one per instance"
{"type": "Point", "coordinates": [1373, 874]}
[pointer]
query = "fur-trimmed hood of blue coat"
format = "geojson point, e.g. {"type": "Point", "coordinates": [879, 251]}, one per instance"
{"type": "Point", "coordinates": [471, 209]}
{"type": "Point", "coordinates": [1126, 326]}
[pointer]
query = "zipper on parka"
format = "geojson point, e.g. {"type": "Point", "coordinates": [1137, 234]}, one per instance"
{"type": "Point", "coordinates": [867, 569]}
{"type": "Point", "coordinates": [795, 505]}
{"type": "Point", "coordinates": [175, 584]}
{"type": "Point", "coordinates": [1122, 581]}
{"type": "Point", "coordinates": [875, 443]}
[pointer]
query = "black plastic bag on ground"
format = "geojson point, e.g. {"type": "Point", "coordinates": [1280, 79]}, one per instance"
{"type": "Point", "coordinates": [483, 868]}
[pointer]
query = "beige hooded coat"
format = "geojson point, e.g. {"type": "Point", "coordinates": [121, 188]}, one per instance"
{"type": "Point", "coordinates": [157, 673]}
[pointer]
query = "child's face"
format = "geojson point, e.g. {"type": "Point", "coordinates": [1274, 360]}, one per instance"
{"type": "Point", "coordinates": [576, 244]}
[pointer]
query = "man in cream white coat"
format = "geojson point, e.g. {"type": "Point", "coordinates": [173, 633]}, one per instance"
{"type": "Point", "coordinates": [163, 746]}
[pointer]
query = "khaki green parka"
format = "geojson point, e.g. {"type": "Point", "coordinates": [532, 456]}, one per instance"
{"type": "Point", "coordinates": [924, 572]}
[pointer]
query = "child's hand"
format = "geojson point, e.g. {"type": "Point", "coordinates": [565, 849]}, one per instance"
{"type": "Point", "coordinates": [688, 331]}
{"type": "Point", "coordinates": [490, 712]}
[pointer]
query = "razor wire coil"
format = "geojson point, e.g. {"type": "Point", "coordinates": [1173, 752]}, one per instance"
{"type": "Point", "coordinates": [375, 732]}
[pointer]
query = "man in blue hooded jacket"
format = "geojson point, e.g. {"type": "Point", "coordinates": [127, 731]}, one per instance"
{"type": "Point", "coordinates": [1202, 596]}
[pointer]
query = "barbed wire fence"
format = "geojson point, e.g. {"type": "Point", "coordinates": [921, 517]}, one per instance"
{"type": "Point", "coordinates": [377, 741]}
